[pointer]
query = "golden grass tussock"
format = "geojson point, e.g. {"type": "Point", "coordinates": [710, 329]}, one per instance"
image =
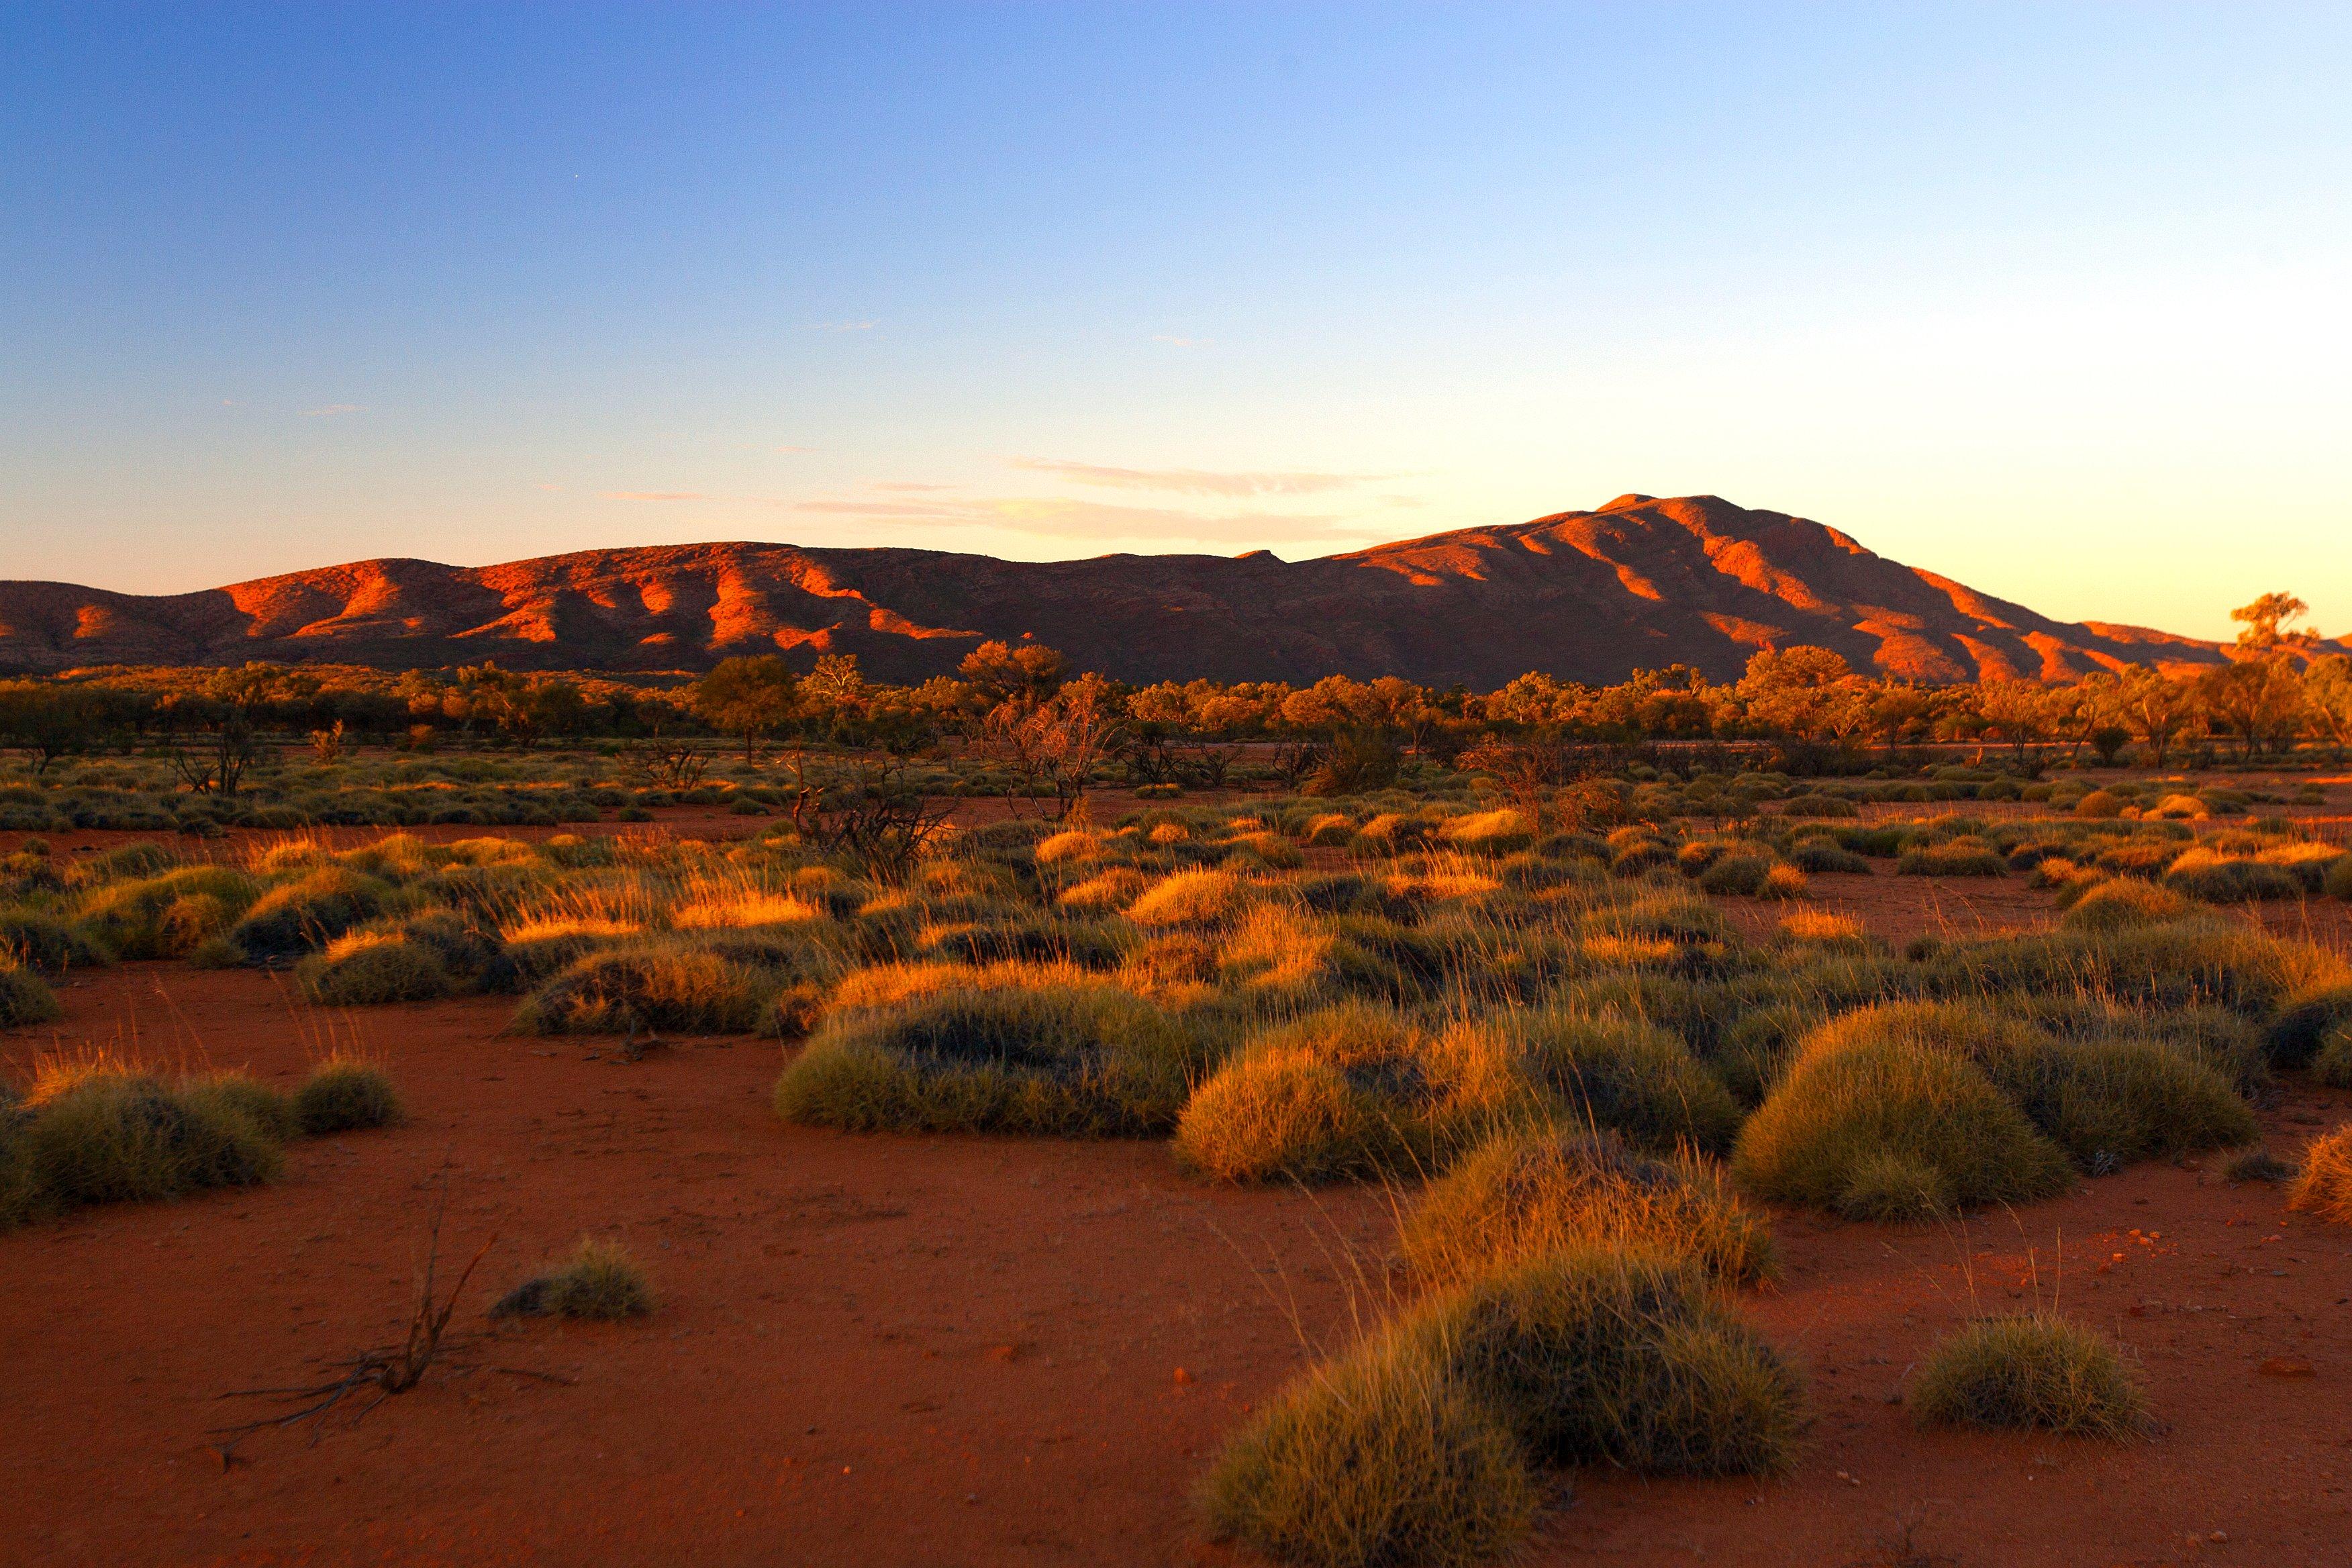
{"type": "Point", "coordinates": [2324, 1187]}
{"type": "Point", "coordinates": [1526, 1195]}
{"type": "Point", "coordinates": [1620, 1356]}
{"type": "Point", "coordinates": [652, 984]}
{"type": "Point", "coordinates": [2035, 1372]}
{"type": "Point", "coordinates": [371, 969]}
{"type": "Point", "coordinates": [1820, 928]}
{"type": "Point", "coordinates": [745, 909]}
{"type": "Point", "coordinates": [1419, 1445]}
{"type": "Point", "coordinates": [1200, 897]}
{"type": "Point", "coordinates": [1382, 1461]}
{"type": "Point", "coordinates": [1068, 1058]}
{"type": "Point", "coordinates": [1826, 1134]}
{"type": "Point", "coordinates": [1625, 1075]}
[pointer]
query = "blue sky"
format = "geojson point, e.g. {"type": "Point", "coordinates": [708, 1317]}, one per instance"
{"type": "Point", "coordinates": [2056, 299]}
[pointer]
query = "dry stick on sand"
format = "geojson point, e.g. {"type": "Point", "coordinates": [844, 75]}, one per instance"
{"type": "Point", "coordinates": [389, 1369]}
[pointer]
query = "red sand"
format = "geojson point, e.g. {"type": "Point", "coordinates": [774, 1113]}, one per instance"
{"type": "Point", "coordinates": [882, 1350]}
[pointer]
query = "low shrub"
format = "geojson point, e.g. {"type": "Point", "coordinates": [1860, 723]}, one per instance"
{"type": "Point", "coordinates": [113, 1137]}
{"type": "Point", "coordinates": [2035, 1371]}
{"type": "Point", "coordinates": [1525, 1195]}
{"type": "Point", "coordinates": [2121, 901]}
{"type": "Point", "coordinates": [343, 1094]}
{"type": "Point", "coordinates": [239, 1095]}
{"type": "Point", "coordinates": [1383, 1460]}
{"type": "Point", "coordinates": [2325, 1187]}
{"type": "Point", "coordinates": [1597, 1355]}
{"type": "Point", "coordinates": [25, 998]}
{"type": "Point", "coordinates": [1839, 1113]}
{"type": "Point", "coordinates": [1953, 857]}
{"type": "Point", "coordinates": [366, 970]}
{"type": "Point", "coordinates": [308, 914]}
{"type": "Point", "coordinates": [1047, 1059]}
{"type": "Point", "coordinates": [42, 941]}
{"type": "Point", "coordinates": [675, 985]}
{"type": "Point", "coordinates": [1628, 1076]}
{"type": "Point", "coordinates": [600, 1282]}
{"type": "Point", "coordinates": [2216, 879]}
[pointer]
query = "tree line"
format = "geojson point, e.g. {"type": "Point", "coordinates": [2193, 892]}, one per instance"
{"type": "Point", "coordinates": [1026, 707]}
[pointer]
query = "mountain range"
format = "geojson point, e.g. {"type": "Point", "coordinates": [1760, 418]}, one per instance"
{"type": "Point", "coordinates": [1584, 595]}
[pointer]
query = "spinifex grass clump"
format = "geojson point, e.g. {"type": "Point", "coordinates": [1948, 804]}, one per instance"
{"type": "Point", "coordinates": [301, 916]}
{"type": "Point", "coordinates": [1356, 1089]}
{"type": "Point", "coordinates": [1382, 1461]}
{"type": "Point", "coordinates": [1528, 1194]}
{"type": "Point", "coordinates": [600, 1282]}
{"type": "Point", "coordinates": [1625, 1357]}
{"type": "Point", "coordinates": [1062, 1056]}
{"type": "Point", "coordinates": [2036, 1370]}
{"type": "Point", "coordinates": [1626, 1075]}
{"type": "Point", "coordinates": [1419, 1446]}
{"type": "Point", "coordinates": [1849, 1126]}
{"type": "Point", "coordinates": [2325, 1187]}
{"type": "Point", "coordinates": [39, 941]}
{"type": "Point", "coordinates": [679, 984]}
{"type": "Point", "coordinates": [103, 1135]}
{"type": "Point", "coordinates": [371, 969]}
{"type": "Point", "coordinates": [344, 1094]}
{"type": "Point", "coordinates": [25, 997]}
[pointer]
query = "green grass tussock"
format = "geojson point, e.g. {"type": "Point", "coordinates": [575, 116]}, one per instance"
{"type": "Point", "coordinates": [1527, 1195]}
{"type": "Point", "coordinates": [307, 914]}
{"type": "Point", "coordinates": [1382, 1461]}
{"type": "Point", "coordinates": [1599, 1355]}
{"type": "Point", "coordinates": [119, 1137]}
{"type": "Point", "coordinates": [373, 970]}
{"type": "Point", "coordinates": [2036, 1372]}
{"type": "Point", "coordinates": [344, 1094]}
{"type": "Point", "coordinates": [25, 999]}
{"type": "Point", "coordinates": [1631, 1077]}
{"type": "Point", "coordinates": [600, 1282]}
{"type": "Point", "coordinates": [674, 983]}
{"type": "Point", "coordinates": [1061, 1059]}
{"type": "Point", "coordinates": [1827, 1129]}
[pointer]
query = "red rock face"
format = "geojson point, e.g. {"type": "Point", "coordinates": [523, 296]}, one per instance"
{"type": "Point", "coordinates": [1586, 595]}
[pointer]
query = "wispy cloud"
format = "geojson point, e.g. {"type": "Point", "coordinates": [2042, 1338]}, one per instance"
{"type": "Point", "coordinates": [907, 487]}
{"type": "Point", "coordinates": [1061, 518]}
{"type": "Point", "coordinates": [330, 411]}
{"type": "Point", "coordinates": [653, 495]}
{"type": "Point", "coordinates": [545, 485]}
{"type": "Point", "coordinates": [1180, 342]}
{"type": "Point", "coordinates": [842, 326]}
{"type": "Point", "coordinates": [1194, 481]}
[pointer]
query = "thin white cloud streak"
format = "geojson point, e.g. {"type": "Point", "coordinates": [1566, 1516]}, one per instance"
{"type": "Point", "coordinates": [1057, 517]}
{"type": "Point", "coordinates": [330, 411]}
{"type": "Point", "coordinates": [1195, 481]}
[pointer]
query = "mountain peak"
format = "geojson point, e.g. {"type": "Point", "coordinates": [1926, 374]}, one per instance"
{"type": "Point", "coordinates": [1584, 596]}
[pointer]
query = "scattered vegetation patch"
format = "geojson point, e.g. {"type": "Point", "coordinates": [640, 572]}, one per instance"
{"type": "Point", "coordinates": [600, 1282]}
{"type": "Point", "coordinates": [2325, 1187]}
{"type": "Point", "coordinates": [2037, 1371]}
{"type": "Point", "coordinates": [344, 1094]}
{"type": "Point", "coordinates": [1528, 1194]}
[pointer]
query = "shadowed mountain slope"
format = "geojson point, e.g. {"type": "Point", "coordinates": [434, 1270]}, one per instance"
{"type": "Point", "coordinates": [1587, 595]}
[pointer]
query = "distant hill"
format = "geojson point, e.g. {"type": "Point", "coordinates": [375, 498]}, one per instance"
{"type": "Point", "coordinates": [1587, 595]}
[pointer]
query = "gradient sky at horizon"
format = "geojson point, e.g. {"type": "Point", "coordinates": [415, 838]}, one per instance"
{"type": "Point", "coordinates": [2053, 299]}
